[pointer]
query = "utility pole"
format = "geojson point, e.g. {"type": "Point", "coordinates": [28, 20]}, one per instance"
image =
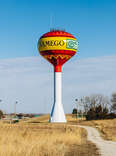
{"type": "Point", "coordinates": [15, 107]}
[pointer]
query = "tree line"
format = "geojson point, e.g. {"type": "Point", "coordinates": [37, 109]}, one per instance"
{"type": "Point", "coordinates": [96, 106]}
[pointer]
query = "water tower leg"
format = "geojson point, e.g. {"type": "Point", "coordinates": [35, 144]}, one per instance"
{"type": "Point", "coordinates": [57, 114]}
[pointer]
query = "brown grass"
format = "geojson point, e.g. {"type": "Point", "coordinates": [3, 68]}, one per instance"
{"type": "Point", "coordinates": [37, 137]}
{"type": "Point", "coordinates": [107, 128]}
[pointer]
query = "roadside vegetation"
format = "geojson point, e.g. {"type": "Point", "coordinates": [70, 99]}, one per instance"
{"type": "Point", "coordinates": [107, 128]}
{"type": "Point", "coordinates": [98, 111]}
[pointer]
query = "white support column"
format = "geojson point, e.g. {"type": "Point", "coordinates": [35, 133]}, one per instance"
{"type": "Point", "coordinates": [57, 114]}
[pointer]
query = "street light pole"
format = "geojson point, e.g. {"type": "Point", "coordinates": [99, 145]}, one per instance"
{"type": "Point", "coordinates": [80, 104]}
{"type": "Point", "coordinates": [77, 106]}
{"type": "Point", "coordinates": [0, 100]}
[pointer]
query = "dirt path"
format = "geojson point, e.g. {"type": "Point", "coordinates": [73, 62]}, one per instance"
{"type": "Point", "coordinates": [106, 148]}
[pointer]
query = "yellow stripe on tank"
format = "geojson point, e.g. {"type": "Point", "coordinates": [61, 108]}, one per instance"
{"type": "Point", "coordinates": [57, 43]}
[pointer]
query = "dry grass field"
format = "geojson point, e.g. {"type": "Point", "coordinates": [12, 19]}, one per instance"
{"type": "Point", "coordinates": [107, 128]}
{"type": "Point", "coordinates": [37, 137]}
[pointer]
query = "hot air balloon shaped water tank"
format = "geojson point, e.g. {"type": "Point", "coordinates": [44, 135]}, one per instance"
{"type": "Point", "coordinates": [57, 47]}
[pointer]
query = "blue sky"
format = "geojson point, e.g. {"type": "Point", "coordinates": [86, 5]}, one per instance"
{"type": "Point", "coordinates": [23, 22]}
{"type": "Point", "coordinates": [27, 78]}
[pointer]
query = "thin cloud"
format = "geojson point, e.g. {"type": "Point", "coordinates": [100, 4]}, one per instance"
{"type": "Point", "coordinates": [29, 80]}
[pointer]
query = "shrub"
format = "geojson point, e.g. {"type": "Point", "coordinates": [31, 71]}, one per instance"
{"type": "Point", "coordinates": [1, 114]}
{"type": "Point", "coordinates": [74, 111]}
{"type": "Point", "coordinates": [97, 112]}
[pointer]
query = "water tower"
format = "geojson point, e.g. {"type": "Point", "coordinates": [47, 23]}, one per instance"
{"type": "Point", "coordinates": [57, 47]}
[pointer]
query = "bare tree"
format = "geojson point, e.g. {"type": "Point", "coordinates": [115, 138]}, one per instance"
{"type": "Point", "coordinates": [1, 114]}
{"type": "Point", "coordinates": [96, 106]}
{"type": "Point", "coordinates": [113, 100]}
{"type": "Point", "coordinates": [96, 100]}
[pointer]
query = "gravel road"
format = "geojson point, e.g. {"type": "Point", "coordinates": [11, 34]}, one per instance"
{"type": "Point", "coordinates": [106, 148]}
